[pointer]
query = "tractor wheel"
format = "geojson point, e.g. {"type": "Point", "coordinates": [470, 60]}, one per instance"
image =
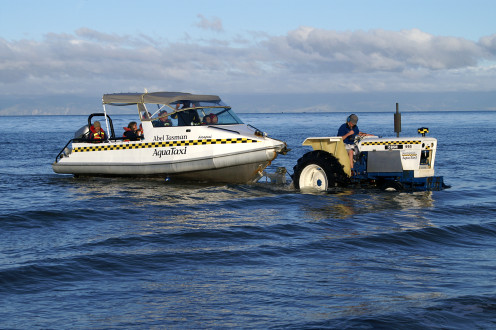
{"type": "Point", "coordinates": [318, 170]}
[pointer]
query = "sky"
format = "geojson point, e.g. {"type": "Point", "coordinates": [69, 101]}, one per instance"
{"type": "Point", "coordinates": [59, 57]}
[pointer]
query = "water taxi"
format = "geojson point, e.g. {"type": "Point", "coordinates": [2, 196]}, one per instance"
{"type": "Point", "coordinates": [177, 136]}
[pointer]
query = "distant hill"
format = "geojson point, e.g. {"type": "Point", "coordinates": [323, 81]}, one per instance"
{"type": "Point", "coordinates": [255, 103]}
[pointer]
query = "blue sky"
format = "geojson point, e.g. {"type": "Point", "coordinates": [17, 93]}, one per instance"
{"type": "Point", "coordinates": [172, 19]}
{"type": "Point", "coordinates": [88, 48]}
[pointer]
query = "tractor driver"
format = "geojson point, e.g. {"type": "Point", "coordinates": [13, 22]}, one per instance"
{"type": "Point", "coordinates": [348, 131]}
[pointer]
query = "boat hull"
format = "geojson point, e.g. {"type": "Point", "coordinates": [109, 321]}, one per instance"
{"type": "Point", "coordinates": [237, 164]}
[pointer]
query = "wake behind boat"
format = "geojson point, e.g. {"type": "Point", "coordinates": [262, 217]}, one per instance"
{"type": "Point", "coordinates": [181, 135]}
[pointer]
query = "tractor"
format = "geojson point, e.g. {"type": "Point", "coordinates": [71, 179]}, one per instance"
{"type": "Point", "coordinates": [386, 163]}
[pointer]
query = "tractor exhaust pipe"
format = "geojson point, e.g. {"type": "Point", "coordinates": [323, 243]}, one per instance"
{"type": "Point", "coordinates": [397, 121]}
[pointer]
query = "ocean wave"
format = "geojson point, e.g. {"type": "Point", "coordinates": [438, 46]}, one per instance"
{"type": "Point", "coordinates": [44, 218]}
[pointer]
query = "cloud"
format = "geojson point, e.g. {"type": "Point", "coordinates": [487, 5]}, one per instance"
{"type": "Point", "coordinates": [305, 60]}
{"type": "Point", "coordinates": [214, 24]}
{"type": "Point", "coordinates": [374, 51]}
{"type": "Point", "coordinates": [489, 43]}
{"type": "Point", "coordinates": [90, 34]}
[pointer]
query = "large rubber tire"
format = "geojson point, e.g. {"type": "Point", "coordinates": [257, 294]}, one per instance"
{"type": "Point", "coordinates": [318, 170]}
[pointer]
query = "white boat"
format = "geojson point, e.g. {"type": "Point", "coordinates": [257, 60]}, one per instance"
{"type": "Point", "coordinates": [206, 141]}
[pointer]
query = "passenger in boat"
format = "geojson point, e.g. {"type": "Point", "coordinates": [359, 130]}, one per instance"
{"type": "Point", "coordinates": [146, 115]}
{"type": "Point", "coordinates": [186, 117]}
{"type": "Point", "coordinates": [131, 132]}
{"type": "Point", "coordinates": [210, 119]}
{"type": "Point", "coordinates": [163, 120]}
{"type": "Point", "coordinates": [348, 131]}
{"type": "Point", "coordinates": [97, 134]}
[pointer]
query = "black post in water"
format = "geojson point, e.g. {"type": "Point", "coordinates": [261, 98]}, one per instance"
{"type": "Point", "coordinates": [397, 121]}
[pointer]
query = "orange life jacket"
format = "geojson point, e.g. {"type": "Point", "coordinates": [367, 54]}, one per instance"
{"type": "Point", "coordinates": [139, 132]}
{"type": "Point", "coordinates": [126, 129]}
{"type": "Point", "coordinates": [94, 135]}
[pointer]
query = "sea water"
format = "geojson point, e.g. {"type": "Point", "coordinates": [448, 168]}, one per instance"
{"type": "Point", "coordinates": [150, 253]}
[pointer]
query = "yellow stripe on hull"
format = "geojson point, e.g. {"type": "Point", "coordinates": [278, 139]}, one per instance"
{"type": "Point", "coordinates": [163, 144]}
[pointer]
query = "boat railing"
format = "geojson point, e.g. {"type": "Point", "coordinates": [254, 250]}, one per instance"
{"type": "Point", "coordinates": [60, 154]}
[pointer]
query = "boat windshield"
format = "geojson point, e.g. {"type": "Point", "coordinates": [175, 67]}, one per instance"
{"type": "Point", "coordinates": [186, 113]}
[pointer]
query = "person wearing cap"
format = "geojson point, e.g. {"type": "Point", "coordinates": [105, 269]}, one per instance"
{"type": "Point", "coordinates": [97, 134]}
{"type": "Point", "coordinates": [348, 131]}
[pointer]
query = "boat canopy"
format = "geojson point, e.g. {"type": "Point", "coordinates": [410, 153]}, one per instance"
{"type": "Point", "coordinates": [155, 98]}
